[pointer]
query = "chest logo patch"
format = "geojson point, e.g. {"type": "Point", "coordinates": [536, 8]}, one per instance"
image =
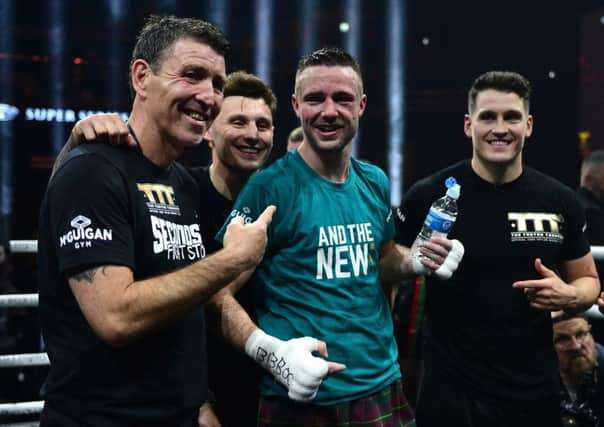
{"type": "Point", "coordinates": [160, 198]}
{"type": "Point", "coordinates": [345, 250]}
{"type": "Point", "coordinates": [536, 227]}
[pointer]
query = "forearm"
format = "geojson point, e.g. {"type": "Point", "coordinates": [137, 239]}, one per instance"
{"type": "Point", "coordinates": [587, 290]}
{"type": "Point", "coordinates": [132, 309]}
{"type": "Point", "coordinates": [395, 265]}
{"type": "Point", "coordinates": [231, 318]}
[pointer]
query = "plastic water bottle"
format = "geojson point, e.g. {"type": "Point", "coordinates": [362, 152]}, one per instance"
{"type": "Point", "coordinates": [439, 221]}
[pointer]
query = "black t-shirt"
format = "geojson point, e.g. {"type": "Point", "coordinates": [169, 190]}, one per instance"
{"type": "Point", "coordinates": [215, 207]}
{"type": "Point", "coordinates": [109, 205]}
{"type": "Point", "coordinates": [233, 376]}
{"type": "Point", "coordinates": [482, 332]}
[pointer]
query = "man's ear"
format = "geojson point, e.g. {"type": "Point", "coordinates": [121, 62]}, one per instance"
{"type": "Point", "coordinates": [467, 125]}
{"type": "Point", "coordinates": [295, 105]}
{"type": "Point", "coordinates": [209, 138]}
{"type": "Point", "coordinates": [529, 126]}
{"type": "Point", "coordinates": [140, 75]}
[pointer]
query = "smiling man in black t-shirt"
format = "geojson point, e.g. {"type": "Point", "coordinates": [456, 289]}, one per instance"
{"type": "Point", "coordinates": [489, 356]}
{"type": "Point", "coordinates": [241, 139]}
{"type": "Point", "coordinates": [122, 279]}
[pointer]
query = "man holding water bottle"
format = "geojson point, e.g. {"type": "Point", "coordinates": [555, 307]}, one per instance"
{"type": "Point", "coordinates": [489, 354]}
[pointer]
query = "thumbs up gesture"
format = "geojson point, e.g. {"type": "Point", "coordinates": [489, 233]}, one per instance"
{"type": "Point", "coordinates": [548, 293]}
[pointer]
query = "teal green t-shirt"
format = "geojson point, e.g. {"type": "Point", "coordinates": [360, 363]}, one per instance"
{"type": "Point", "coordinates": [319, 275]}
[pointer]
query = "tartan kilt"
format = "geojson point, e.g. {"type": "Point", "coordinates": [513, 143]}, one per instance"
{"type": "Point", "coordinates": [386, 408]}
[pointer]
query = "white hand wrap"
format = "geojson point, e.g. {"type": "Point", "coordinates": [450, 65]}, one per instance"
{"type": "Point", "coordinates": [291, 363]}
{"type": "Point", "coordinates": [449, 265]}
{"type": "Point", "coordinates": [418, 267]}
{"type": "Point", "coordinates": [451, 262]}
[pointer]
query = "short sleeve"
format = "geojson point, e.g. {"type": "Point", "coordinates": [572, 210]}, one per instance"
{"type": "Point", "coordinates": [409, 216]}
{"type": "Point", "coordinates": [576, 243]}
{"type": "Point", "coordinates": [87, 204]}
{"type": "Point", "coordinates": [389, 221]}
{"type": "Point", "coordinates": [250, 203]}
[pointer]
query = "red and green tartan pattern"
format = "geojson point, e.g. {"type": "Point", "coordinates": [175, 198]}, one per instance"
{"type": "Point", "coordinates": [416, 318]}
{"type": "Point", "coordinates": [386, 408]}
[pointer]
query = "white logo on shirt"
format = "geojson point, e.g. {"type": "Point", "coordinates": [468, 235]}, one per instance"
{"type": "Point", "coordinates": [178, 241]}
{"type": "Point", "coordinates": [82, 234]}
{"type": "Point", "coordinates": [244, 213]}
{"type": "Point", "coordinates": [345, 250]}
{"type": "Point", "coordinates": [400, 215]}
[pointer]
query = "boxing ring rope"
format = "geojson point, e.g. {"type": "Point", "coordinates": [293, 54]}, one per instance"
{"type": "Point", "coordinates": [41, 359]}
{"type": "Point", "coordinates": [21, 360]}
{"type": "Point", "coordinates": [21, 408]}
{"type": "Point", "coordinates": [23, 246]}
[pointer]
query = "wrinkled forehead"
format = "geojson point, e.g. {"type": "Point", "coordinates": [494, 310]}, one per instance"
{"type": "Point", "coordinates": [328, 78]}
{"type": "Point", "coordinates": [188, 52]}
{"type": "Point", "coordinates": [570, 326]}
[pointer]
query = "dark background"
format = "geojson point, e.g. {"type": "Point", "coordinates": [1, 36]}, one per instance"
{"type": "Point", "coordinates": [466, 38]}
{"type": "Point", "coordinates": [556, 44]}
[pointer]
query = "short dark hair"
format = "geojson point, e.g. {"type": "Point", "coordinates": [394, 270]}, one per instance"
{"type": "Point", "coordinates": [562, 316]}
{"type": "Point", "coordinates": [241, 83]}
{"type": "Point", "coordinates": [330, 56]}
{"type": "Point", "coordinates": [159, 34]}
{"type": "Point", "coordinates": [502, 81]}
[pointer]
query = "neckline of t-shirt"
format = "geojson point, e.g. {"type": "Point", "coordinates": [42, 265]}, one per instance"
{"type": "Point", "coordinates": [139, 149]}
{"type": "Point", "coordinates": [160, 171]}
{"type": "Point", "coordinates": [338, 186]}
{"type": "Point", "coordinates": [497, 187]}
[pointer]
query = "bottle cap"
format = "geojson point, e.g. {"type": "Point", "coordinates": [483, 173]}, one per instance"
{"type": "Point", "coordinates": [453, 188]}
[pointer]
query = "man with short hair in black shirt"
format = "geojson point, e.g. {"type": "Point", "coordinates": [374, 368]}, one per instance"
{"type": "Point", "coordinates": [122, 282]}
{"type": "Point", "coordinates": [489, 355]}
{"type": "Point", "coordinates": [241, 139]}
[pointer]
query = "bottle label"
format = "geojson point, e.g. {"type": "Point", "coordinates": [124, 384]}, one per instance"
{"type": "Point", "coordinates": [438, 222]}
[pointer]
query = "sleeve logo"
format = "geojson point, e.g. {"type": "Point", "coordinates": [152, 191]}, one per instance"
{"type": "Point", "coordinates": [400, 215]}
{"type": "Point", "coordinates": [82, 235]}
{"type": "Point", "coordinates": [244, 213]}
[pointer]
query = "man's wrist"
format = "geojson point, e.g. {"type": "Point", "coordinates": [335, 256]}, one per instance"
{"type": "Point", "coordinates": [259, 346]}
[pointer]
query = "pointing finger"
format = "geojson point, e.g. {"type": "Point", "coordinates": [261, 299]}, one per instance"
{"type": "Point", "coordinates": [528, 284]}
{"type": "Point", "coordinates": [237, 220]}
{"type": "Point", "coordinates": [335, 367]}
{"type": "Point", "coordinates": [267, 215]}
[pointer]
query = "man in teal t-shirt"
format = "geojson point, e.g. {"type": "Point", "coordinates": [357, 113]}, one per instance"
{"type": "Point", "coordinates": [330, 244]}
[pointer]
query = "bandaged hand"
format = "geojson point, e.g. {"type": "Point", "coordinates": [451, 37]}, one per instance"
{"type": "Point", "coordinates": [440, 256]}
{"type": "Point", "coordinates": [292, 362]}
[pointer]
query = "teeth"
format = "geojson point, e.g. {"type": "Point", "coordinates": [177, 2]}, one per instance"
{"type": "Point", "coordinates": [250, 150]}
{"type": "Point", "coordinates": [195, 115]}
